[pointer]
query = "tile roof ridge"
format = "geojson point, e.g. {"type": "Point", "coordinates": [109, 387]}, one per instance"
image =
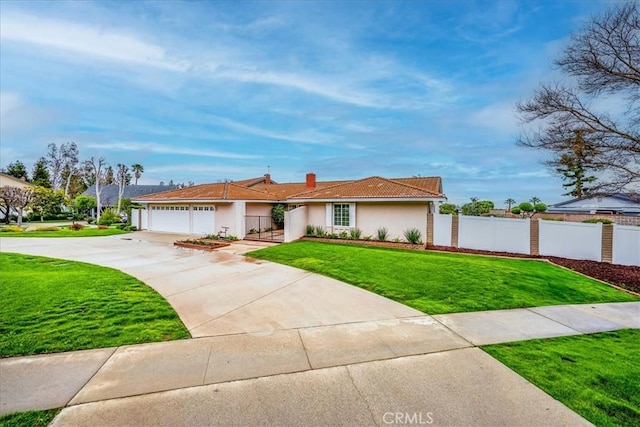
{"type": "Point", "coordinates": [225, 190]}
{"type": "Point", "coordinates": [242, 187]}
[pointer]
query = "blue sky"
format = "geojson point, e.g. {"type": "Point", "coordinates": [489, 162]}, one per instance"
{"type": "Point", "coordinates": [205, 91]}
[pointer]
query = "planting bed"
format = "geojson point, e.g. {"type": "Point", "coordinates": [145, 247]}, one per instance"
{"type": "Point", "coordinates": [201, 244]}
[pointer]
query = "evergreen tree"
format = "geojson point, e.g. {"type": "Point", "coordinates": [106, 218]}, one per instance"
{"type": "Point", "coordinates": [17, 170]}
{"type": "Point", "coordinates": [40, 175]}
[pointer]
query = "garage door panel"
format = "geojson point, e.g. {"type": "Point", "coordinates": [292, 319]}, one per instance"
{"type": "Point", "coordinates": [173, 219]}
{"type": "Point", "coordinates": [203, 220]}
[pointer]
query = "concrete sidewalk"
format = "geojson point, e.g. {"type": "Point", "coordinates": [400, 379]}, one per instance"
{"type": "Point", "coordinates": [436, 355]}
{"type": "Point", "coordinates": [277, 345]}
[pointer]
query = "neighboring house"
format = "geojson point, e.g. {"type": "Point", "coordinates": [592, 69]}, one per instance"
{"type": "Point", "coordinates": [367, 204]}
{"type": "Point", "coordinates": [612, 204]}
{"type": "Point", "coordinates": [109, 193]}
{"type": "Point", "coordinates": [8, 180]}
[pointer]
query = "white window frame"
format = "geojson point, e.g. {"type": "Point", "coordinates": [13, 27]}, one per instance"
{"type": "Point", "coordinates": [331, 212]}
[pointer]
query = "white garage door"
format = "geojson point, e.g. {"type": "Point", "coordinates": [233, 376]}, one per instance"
{"type": "Point", "coordinates": [173, 219]}
{"type": "Point", "coordinates": [204, 220]}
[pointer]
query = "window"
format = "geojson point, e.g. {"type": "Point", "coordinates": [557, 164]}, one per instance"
{"type": "Point", "coordinates": [341, 215]}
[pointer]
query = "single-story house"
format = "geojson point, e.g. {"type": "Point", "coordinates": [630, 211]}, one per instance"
{"type": "Point", "coordinates": [109, 193]}
{"type": "Point", "coordinates": [625, 204]}
{"type": "Point", "coordinates": [367, 204]}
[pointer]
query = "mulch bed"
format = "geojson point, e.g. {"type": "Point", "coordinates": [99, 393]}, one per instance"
{"type": "Point", "coordinates": [623, 276]}
{"type": "Point", "coordinates": [203, 245]}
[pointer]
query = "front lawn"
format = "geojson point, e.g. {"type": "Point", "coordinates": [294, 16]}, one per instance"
{"type": "Point", "coordinates": [598, 375]}
{"type": "Point", "coordinates": [65, 232]}
{"type": "Point", "coordinates": [52, 305]}
{"type": "Point", "coordinates": [29, 418]}
{"type": "Point", "coordinates": [437, 283]}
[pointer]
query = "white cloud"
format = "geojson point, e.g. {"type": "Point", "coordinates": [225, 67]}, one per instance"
{"type": "Point", "coordinates": [307, 138]}
{"type": "Point", "coordinates": [114, 45]}
{"type": "Point", "coordinates": [9, 101]}
{"type": "Point", "coordinates": [164, 149]}
{"type": "Point", "coordinates": [500, 117]}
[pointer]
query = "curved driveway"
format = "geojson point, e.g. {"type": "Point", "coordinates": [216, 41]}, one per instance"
{"type": "Point", "coordinates": [222, 292]}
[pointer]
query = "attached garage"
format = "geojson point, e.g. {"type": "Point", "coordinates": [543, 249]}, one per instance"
{"type": "Point", "coordinates": [182, 219]}
{"type": "Point", "coordinates": [203, 219]}
{"type": "Point", "coordinates": [174, 219]}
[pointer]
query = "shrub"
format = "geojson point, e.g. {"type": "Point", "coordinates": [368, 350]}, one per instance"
{"type": "Point", "coordinates": [448, 208]}
{"type": "Point", "coordinates": [382, 234]}
{"type": "Point", "coordinates": [413, 235]}
{"type": "Point", "coordinates": [320, 231]}
{"type": "Point", "coordinates": [109, 217]}
{"type": "Point", "coordinates": [76, 227]}
{"type": "Point", "coordinates": [311, 230]}
{"type": "Point", "coordinates": [355, 233]}
{"type": "Point", "coordinates": [516, 211]}
{"type": "Point", "coordinates": [540, 207]}
{"type": "Point", "coordinates": [133, 228]}
{"type": "Point", "coordinates": [367, 238]}
{"type": "Point", "coordinates": [396, 240]}
{"type": "Point", "coordinates": [597, 220]}
{"type": "Point", "coordinates": [332, 236]}
{"type": "Point", "coordinates": [211, 237]}
{"type": "Point", "coordinates": [232, 238]}
{"type": "Point", "coordinates": [277, 215]}
{"type": "Point", "coordinates": [91, 220]}
{"type": "Point", "coordinates": [11, 229]}
{"type": "Point", "coordinates": [49, 228]}
{"type": "Point", "coordinates": [344, 235]}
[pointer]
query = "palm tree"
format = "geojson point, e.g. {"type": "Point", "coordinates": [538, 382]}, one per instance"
{"type": "Point", "coordinates": [137, 171]}
{"type": "Point", "coordinates": [510, 202]}
{"type": "Point", "coordinates": [534, 200]}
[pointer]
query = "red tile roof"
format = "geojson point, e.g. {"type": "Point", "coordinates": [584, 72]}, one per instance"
{"type": "Point", "coordinates": [217, 191]}
{"type": "Point", "coordinates": [374, 187]}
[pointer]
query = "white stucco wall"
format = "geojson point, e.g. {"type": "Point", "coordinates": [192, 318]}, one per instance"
{"type": "Point", "coordinates": [225, 216]}
{"type": "Point", "coordinates": [295, 223]}
{"type": "Point", "coordinates": [315, 214]}
{"type": "Point", "coordinates": [396, 217]}
{"type": "Point", "coordinates": [259, 209]}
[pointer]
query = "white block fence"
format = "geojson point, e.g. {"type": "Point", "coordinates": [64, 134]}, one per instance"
{"type": "Point", "coordinates": [596, 242]}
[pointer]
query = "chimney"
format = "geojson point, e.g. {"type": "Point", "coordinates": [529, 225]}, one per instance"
{"type": "Point", "coordinates": [311, 180]}
{"type": "Point", "coordinates": [267, 178]}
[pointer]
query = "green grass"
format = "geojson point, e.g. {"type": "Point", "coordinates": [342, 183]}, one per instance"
{"type": "Point", "coordinates": [65, 232]}
{"type": "Point", "coordinates": [52, 305]}
{"type": "Point", "coordinates": [29, 418]}
{"type": "Point", "coordinates": [598, 376]}
{"type": "Point", "coordinates": [437, 283]}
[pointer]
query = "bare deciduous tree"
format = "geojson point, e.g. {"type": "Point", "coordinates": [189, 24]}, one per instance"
{"type": "Point", "coordinates": [96, 165]}
{"type": "Point", "coordinates": [123, 178]}
{"type": "Point", "coordinates": [604, 60]}
{"type": "Point", "coordinates": [15, 198]}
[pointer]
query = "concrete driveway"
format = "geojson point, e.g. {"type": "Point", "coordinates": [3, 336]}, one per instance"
{"type": "Point", "coordinates": [222, 292]}
{"type": "Point", "coordinates": [278, 345]}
